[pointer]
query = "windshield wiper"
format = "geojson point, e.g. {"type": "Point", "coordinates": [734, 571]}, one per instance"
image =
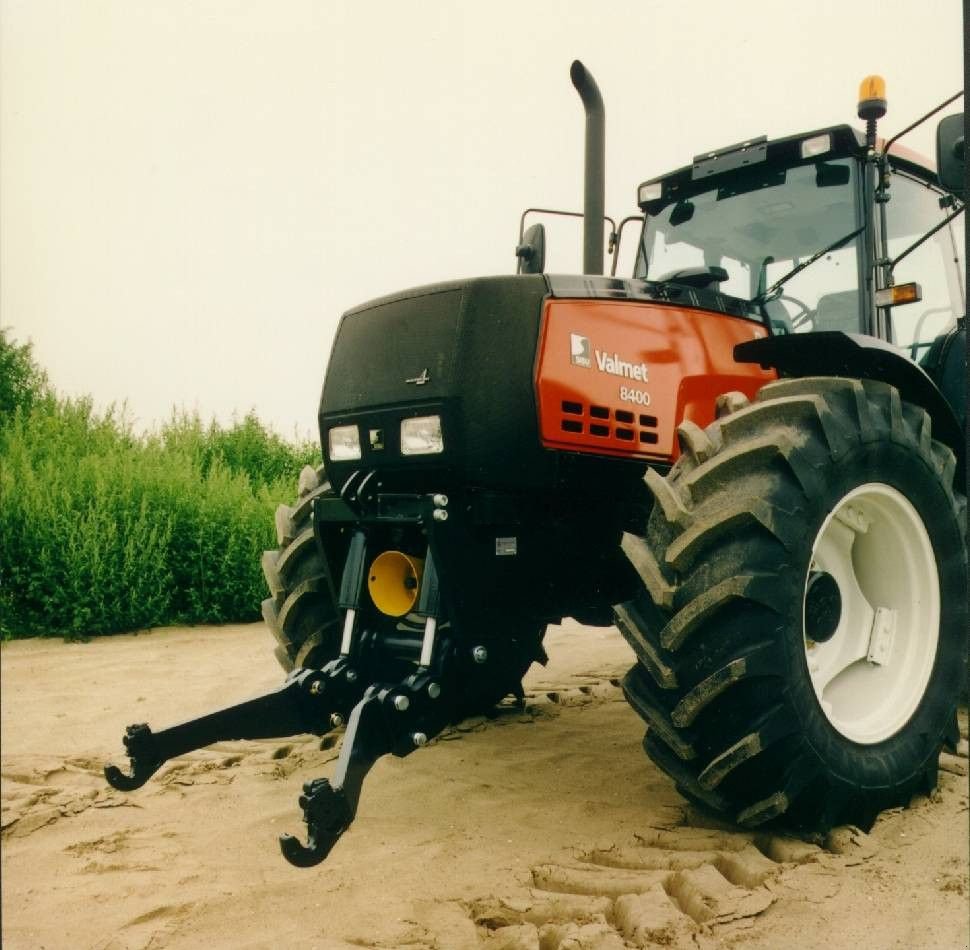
{"type": "Point", "coordinates": [777, 285]}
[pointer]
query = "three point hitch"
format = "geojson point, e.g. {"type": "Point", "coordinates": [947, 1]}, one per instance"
{"type": "Point", "coordinates": [381, 719]}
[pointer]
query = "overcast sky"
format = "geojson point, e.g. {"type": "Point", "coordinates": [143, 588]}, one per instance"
{"type": "Point", "coordinates": [192, 192]}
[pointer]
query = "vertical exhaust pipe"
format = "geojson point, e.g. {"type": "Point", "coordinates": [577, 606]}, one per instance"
{"type": "Point", "coordinates": [594, 187]}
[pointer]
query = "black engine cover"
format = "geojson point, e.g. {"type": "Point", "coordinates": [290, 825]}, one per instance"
{"type": "Point", "coordinates": [464, 350]}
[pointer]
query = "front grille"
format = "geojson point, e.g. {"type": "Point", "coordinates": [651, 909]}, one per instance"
{"type": "Point", "coordinates": [605, 422]}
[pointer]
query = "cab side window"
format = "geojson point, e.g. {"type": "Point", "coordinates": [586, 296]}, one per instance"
{"type": "Point", "coordinates": [914, 208]}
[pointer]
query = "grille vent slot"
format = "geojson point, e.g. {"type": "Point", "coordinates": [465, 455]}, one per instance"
{"type": "Point", "coordinates": [631, 428]}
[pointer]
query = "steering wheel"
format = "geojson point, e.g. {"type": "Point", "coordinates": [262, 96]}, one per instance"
{"type": "Point", "coordinates": [781, 319]}
{"type": "Point", "coordinates": [804, 316]}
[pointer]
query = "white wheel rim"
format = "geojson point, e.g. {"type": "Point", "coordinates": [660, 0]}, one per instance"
{"type": "Point", "coordinates": [870, 676]}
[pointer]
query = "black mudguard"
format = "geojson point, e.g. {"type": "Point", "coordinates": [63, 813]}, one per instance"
{"type": "Point", "coordinates": [854, 355]}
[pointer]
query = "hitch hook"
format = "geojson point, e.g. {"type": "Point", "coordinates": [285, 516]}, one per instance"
{"type": "Point", "coordinates": [298, 705]}
{"type": "Point", "coordinates": [138, 742]}
{"type": "Point", "coordinates": [328, 815]}
{"type": "Point", "coordinates": [329, 808]}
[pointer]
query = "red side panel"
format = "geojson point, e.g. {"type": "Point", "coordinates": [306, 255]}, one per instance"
{"type": "Point", "coordinates": [617, 377]}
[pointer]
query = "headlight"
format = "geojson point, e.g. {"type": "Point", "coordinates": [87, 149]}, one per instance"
{"type": "Point", "coordinates": [344, 443]}
{"type": "Point", "coordinates": [817, 145]}
{"type": "Point", "coordinates": [422, 436]}
{"type": "Point", "coordinates": [652, 191]}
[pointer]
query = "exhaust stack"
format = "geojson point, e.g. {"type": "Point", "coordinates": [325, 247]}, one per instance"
{"type": "Point", "coordinates": [594, 186]}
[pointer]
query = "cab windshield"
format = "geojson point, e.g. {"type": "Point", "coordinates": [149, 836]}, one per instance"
{"type": "Point", "coordinates": [759, 224]}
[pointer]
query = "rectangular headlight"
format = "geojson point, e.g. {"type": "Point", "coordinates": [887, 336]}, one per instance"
{"type": "Point", "coordinates": [817, 145]}
{"type": "Point", "coordinates": [649, 192]}
{"type": "Point", "coordinates": [422, 436]}
{"type": "Point", "coordinates": [344, 443]}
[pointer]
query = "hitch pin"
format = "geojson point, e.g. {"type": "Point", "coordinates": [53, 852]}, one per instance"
{"type": "Point", "coordinates": [429, 604]}
{"type": "Point", "coordinates": [348, 637]}
{"type": "Point", "coordinates": [427, 645]}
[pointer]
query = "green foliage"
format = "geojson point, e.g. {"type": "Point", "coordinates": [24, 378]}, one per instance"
{"type": "Point", "coordinates": [102, 530]}
{"type": "Point", "coordinates": [22, 381]}
{"type": "Point", "coordinates": [247, 447]}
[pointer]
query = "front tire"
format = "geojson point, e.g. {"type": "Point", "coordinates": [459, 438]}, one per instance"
{"type": "Point", "coordinates": [801, 630]}
{"type": "Point", "coordinates": [301, 610]}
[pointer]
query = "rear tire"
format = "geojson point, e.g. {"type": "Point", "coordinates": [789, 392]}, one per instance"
{"type": "Point", "coordinates": [819, 480]}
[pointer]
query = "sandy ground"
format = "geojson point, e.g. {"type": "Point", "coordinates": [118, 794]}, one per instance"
{"type": "Point", "coordinates": [545, 828]}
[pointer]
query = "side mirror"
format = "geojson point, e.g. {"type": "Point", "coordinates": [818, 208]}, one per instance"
{"type": "Point", "coordinates": [532, 251]}
{"type": "Point", "coordinates": [951, 154]}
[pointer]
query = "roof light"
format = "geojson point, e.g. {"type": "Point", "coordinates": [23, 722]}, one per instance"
{"type": "Point", "coordinates": [872, 98]}
{"type": "Point", "coordinates": [816, 145]}
{"type": "Point", "coordinates": [900, 294]}
{"type": "Point", "coordinates": [651, 191]}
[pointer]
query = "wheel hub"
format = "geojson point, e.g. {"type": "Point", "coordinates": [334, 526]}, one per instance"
{"type": "Point", "coordinates": [871, 613]}
{"type": "Point", "coordinates": [823, 607]}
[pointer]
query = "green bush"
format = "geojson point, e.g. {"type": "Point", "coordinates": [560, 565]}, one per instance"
{"type": "Point", "coordinates": [22, 381]}
{"type": "Point", "coordinates": [247, 447]}
{"type": "Point", "coordinates": [102, 530]}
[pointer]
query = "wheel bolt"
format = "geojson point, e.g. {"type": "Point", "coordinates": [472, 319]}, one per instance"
{"type": "Point", "coordinates": [440, 501]}
{"type": "Point", "coordinates": [479, 654]}
{"type": "Point", "coordinates": [419, 739]}
{"type": "Point", "coordinates": [351, 676]}
{"type": "Point", "coordinates": [316, 688]}
{"type": "Point", "coordinates": [401, 703]}
{"type": "Point", "coordinates": [440, 514]}
{"type": "Point", "coordinates": [434, 690]}
{"type": "Point", "coordinates": [336, 720]}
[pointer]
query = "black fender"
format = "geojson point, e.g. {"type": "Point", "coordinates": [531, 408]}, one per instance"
{"type": "Point", "coordinates": [854, 355]}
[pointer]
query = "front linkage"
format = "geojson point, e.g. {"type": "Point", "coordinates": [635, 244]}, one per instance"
{"type": "Point", "coordinates": [381, 718]}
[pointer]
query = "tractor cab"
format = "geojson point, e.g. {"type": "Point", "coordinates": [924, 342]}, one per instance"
{"type": "Point", "coordinates": [746, 216]}
{"type": "Point", "coordinates": [783, 225]}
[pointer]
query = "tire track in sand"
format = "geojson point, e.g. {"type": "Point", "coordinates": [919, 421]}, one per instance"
{"type": "Point", "coordinates": [668, 887]}
{"type": "Point", "coordinates": [690, 887]}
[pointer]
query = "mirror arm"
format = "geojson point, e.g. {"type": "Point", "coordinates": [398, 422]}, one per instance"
{"type": "Point", "coordinates": [522, 250]}
{"type": "Point", "coordinates": [615, 238]}
{"type": "Point", "coordinates": [566, 214]}
{"type": "Point", "coordinates": [920, 121]}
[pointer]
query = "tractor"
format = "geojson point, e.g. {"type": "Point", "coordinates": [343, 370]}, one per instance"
{"type": "Point", "coordinates": [749, 456]}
